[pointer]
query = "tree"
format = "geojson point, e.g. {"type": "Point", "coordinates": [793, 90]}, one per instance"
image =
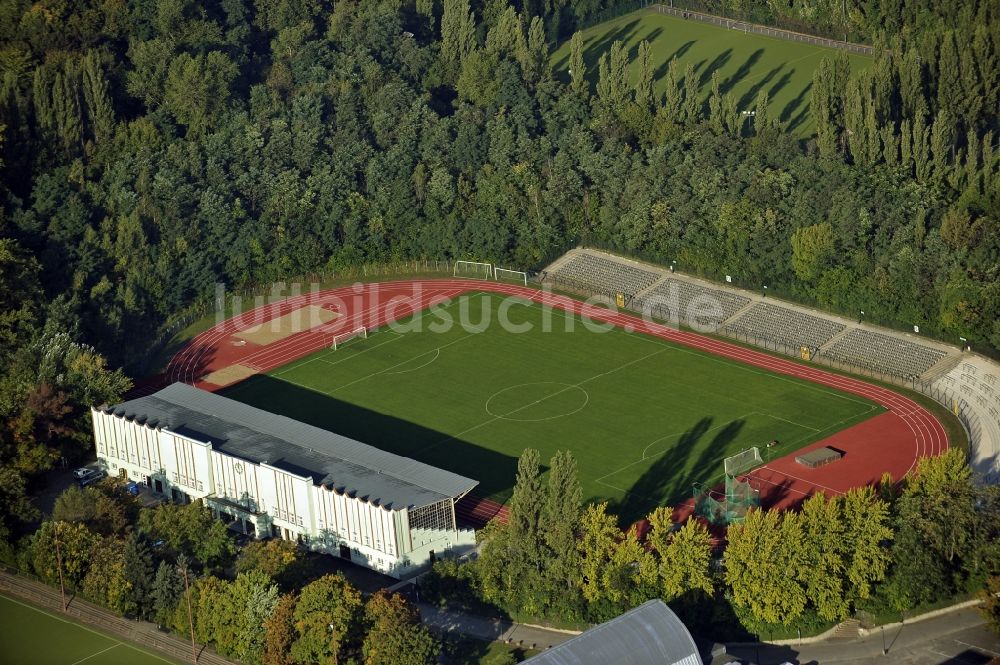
{"type": "Point", "coordinates": [197, 89]}
{"type": "Point", "coordinates": [458, 35]}
{"type": "Point", "coordinates": [761, 120]}
{"type": "Point", "coordinates": [189, 528]}
{"type": "Point", "coordinates": [629, 577]}
{"type": "Point", "coordinates": [599, 534]}
{"type": "Point", "coordinates": [395, 633]}
{"type": "Point", "coordinates": [279, 632]}
{"type": "Point", "coordinates": [535, 63]}
{"type": "Point", "coordinates": [513, 557]}
{"type": "Point", "coordinates": [644, 86]}
{"type": "Point", "coordinates": [813, 248]}
{"type": "Point", "coordinates": [867, 530]}
{"type": "Point", "coordinates": [685, 555]}
{"type": "Point", "coordinates": [673, 98]}
{"type": "Point", "coordinates": [764, 563]}
{"type": "Point", "coordinates": [991, 602]}
{"type": "Point", "coordinates": [271, 557]}
{"type": "Point", "coordinates": [950, 97]}
{"type": "Point", "coordinates": [251, 600]}
{"type": "Point", "coordinates": [166, 592]}
{"type": "Point", "coordinates": [715, 107]}
{"type": "Point", "coordinates": [824, 572]}
{"type": "Point", "coordinates": [577, 65]}
{"type": "Point", "coordinates": [691, 106]}
{"type": "Point", "coordinates": [100, 111]}
{"type": "Point", "coordinates": [326, 620]}
{"type": "Point", "coordinates": [557, 525]}
{"type": "Point", "coordinates": [75, 546]}
{"type": "Point", "coordinates": [74, 505]}
{"type": "Point", "coordinates": [137, 572]}
{"type": "Point", "coordinates": [106, 582]}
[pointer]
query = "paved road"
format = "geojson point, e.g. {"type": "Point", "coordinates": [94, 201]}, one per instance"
{"type": "Point", "coordinates": [957, 638]}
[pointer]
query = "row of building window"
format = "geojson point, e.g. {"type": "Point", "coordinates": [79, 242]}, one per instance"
{"type": "Point", "coordinates": [189, 482]}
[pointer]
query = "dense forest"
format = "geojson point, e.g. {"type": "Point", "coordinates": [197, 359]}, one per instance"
{"type": "Point", "coordinates": [152, 148]}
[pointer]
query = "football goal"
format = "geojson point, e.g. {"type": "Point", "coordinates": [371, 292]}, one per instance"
{"type": "Point", "coordinates": [339, 340]}
{"type": "Point", "coordinates": [742, 462]}
{"type": "Point", "coordinates": [512, 275]}
{"type": "Point", "coordinates": [739, 494]}
{"type": "Point", "coordinates": [472, 269]}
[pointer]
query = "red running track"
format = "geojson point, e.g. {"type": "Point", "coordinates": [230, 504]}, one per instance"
{"type": "Point", "coordinates": [890, 442]}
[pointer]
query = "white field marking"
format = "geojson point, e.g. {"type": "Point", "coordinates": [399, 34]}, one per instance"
{"type": "Point", "coordinates": [790, 422]}
{"type": "Point", "coordinates": [725, 360]}
{"type": "Point", "coordinates": [977, 647]}
{"type": "Point", "coordinates": [346, 357]}
{"type": "Point", "coordinates": [504, 416]}
{"type": "Point", "coordinates": [98, 653]}
{"type": "Point", "coordinates": [436, 352]}
{"type": "Point", "coordinates": [644, 458]}
{"type": "Point", "coordinates": [83, 627]}
{"type": "Point", "coordinates": [834, 425]}
{"type": "Point", "coordinates": [569, 386]}
{"type": "Point", "coordinates": [399, 364]}
{"type": "Point", "coordinates": [750, 475]}
{"type": "Point", "coordinates": [788, 475]}
{"type": "Point", "coordinates": [614, 487]}
{"type": "Point", "coordinates": [718, 459]}
{"type": "Point", "coordinates": [667, 436]}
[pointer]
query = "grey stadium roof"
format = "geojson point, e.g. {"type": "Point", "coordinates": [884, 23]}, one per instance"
{"type": "Point", "coordinates": [250, 433]}
{"type": "Point", "coordinates": [650, 634]}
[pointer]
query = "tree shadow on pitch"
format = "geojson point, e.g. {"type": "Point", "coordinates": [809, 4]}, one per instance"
{"type": "Point", "coordinates": [495, 471]}
{"type": "Point", "coordinates": [668, 480]}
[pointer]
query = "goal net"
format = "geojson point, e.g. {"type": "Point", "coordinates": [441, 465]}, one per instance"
{"type": "Point", "coordinates": [341, 339]}
{"type": "Point", "coordinates": [472, 269]}
{"type": "Point", "coordinates": [512, 275]}
{"type": "Point", "coordinates": [737, 495]}
{"type": "Point", "coordinates": [742, 462]}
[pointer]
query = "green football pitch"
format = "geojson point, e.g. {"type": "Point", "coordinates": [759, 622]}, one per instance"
{"type": "Point", "coordinates": [30, 636]}
{"type": "Point", "coordinates": [643, 417]}
{"type": "Point", "coordinates": [747, 63]}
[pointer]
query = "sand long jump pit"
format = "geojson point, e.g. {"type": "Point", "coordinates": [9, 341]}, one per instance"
{"type": "Point", "coordinates": [229, 375]}
{"type": "Point", "coordinates": [275, 330]}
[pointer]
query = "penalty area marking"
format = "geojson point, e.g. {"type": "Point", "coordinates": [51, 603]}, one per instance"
{"type": "Point", "coordinates": [564, 387]}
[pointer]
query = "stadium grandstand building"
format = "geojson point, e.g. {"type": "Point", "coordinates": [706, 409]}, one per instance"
{"type": "Point", "coordinates": [271, 476]}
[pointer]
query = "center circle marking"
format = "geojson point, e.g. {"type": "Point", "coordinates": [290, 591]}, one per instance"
{"type": "Point", "coordinates": [582, 397]}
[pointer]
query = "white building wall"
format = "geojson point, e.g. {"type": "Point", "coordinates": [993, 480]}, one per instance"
{"type": "Point", "coordinates": [322, 518]}
{"type": "Point", "coordinates": [236, 479]}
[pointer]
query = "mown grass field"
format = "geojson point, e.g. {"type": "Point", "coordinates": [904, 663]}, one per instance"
{"type": "Point", "coordinates": [30, 636]}
{"type": "Point", "coordinates": [644, 418]}
{"type": "Point", "coordinates": [747, 63]}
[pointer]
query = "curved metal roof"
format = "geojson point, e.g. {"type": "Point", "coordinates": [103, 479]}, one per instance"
{"type": "Point", "coordinates": [244, 431]}
{"type": "Point", "coordinates": [650, 634]}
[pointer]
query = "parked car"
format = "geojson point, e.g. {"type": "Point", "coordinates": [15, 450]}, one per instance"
{"type": "Point", "coordinates": [133, 488]}
{"type": "Point", "coordinates": [90, 476]}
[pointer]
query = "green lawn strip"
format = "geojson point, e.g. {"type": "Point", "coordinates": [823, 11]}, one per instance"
{"type": "Point", "coordinates": [470, 651]}
{"type": "Point", "coordinates": [645, 418]}
{"type": "Point", "coordinates": [30, 635]}
{"type": "Point", "coordinates": [747, 63]}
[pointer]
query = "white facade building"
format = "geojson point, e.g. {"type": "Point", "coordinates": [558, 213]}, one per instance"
{"type": "Point", "coordinates": [283, 478]}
